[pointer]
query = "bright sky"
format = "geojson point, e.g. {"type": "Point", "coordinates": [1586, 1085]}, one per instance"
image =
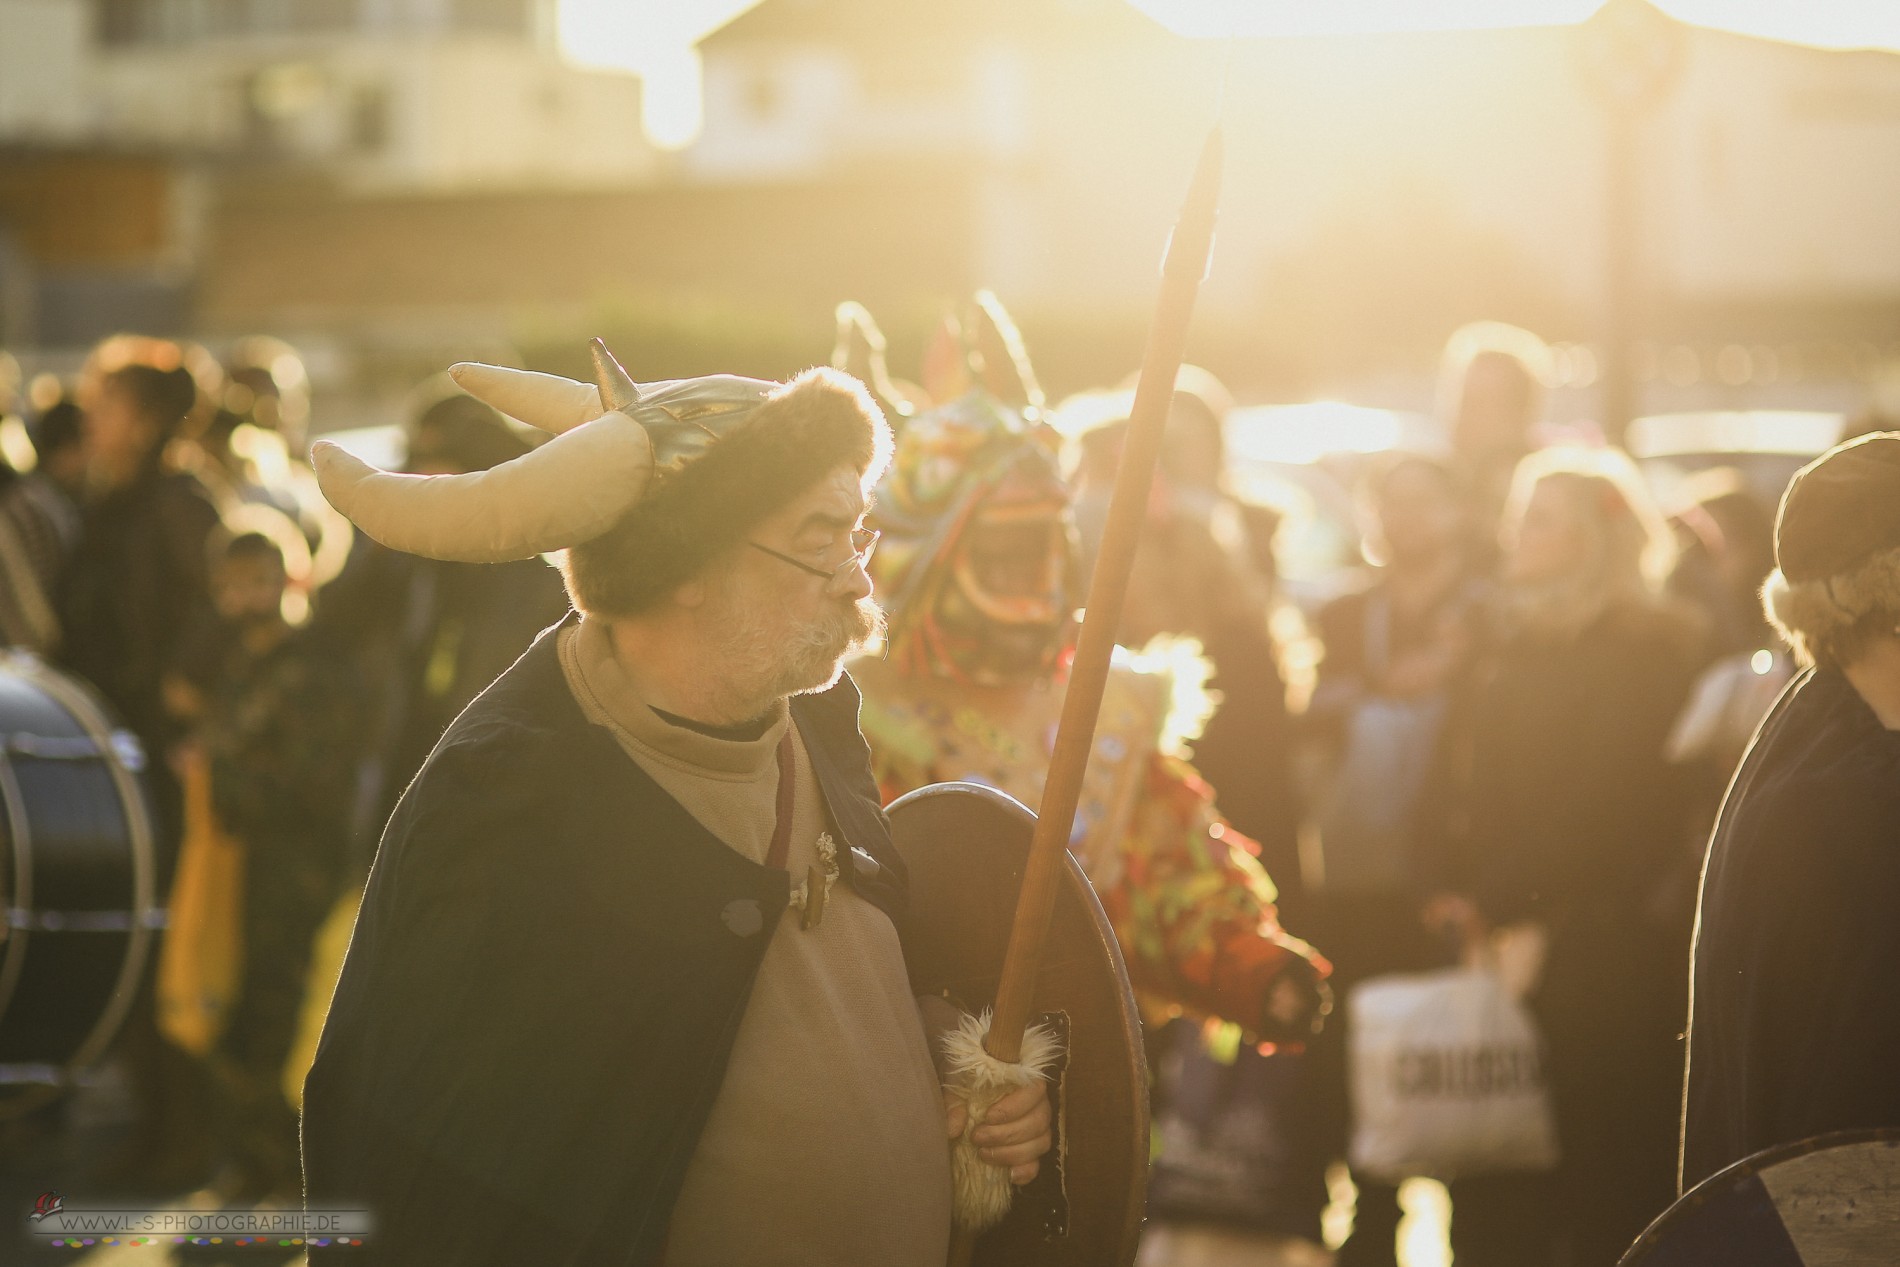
{"type": "Point", "coordinates": [656, 37]}
{"type": "Point", "coordinates": [1827, 23]}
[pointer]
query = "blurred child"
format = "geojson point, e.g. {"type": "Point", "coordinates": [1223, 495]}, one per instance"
{"type": "Point", "coordinates": [280, 731]}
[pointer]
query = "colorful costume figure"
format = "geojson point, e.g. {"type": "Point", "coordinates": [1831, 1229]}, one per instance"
{"type": "Point", "coordinates": [979, 575]}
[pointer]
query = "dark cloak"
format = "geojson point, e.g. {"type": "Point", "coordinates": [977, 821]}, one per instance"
{"type": "Point", "coordinates": [1794, 1027]}
{"type": "Point", "coordinates": [544, 984]}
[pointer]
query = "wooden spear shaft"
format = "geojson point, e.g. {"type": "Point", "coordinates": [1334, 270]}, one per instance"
{"type": "Point", "coordinates": [1181, 274]}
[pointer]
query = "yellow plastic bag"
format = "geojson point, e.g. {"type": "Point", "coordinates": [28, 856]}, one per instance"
{"type": "Point", "coordinates": [201, 957]}
{"type": "Point", "coordinates": [326, 965]}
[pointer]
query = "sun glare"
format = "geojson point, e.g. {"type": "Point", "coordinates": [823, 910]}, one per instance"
{"type": "Point", "coordinates": [1209, 18]}
{"type": "Point", "coordinates": [655, 40]}
{"type": "Point", "coordinates": [671, 105]}
{"type": "Point", "coordinates": [1823, 23]}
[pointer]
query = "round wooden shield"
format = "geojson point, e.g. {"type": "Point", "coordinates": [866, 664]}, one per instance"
{"type": "Point", "coordinates": [965, 846]}
{"type": "Point", "coordinates": [1829, 1201]}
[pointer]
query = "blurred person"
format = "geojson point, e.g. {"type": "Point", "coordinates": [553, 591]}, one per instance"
{"type": "Point", "coordinates": [431, 634]}
{"type": "Point", "coordinates": [186, 362]}
{"type": "Point", "coordinates": [1194, 458]}
{"type": "Point", "coordinates": [1493, 384]}
{"type": "Point", "coordinates": [1794, 1025]}
{"type": "Point", "coordinates": [1560, 819]}
{"type": "Point", "coordinates": [1396, 653]}
{"type": "Point", "coordinates": [240, 462]}
{"type": "Point", "coordinates": [137, 587]}
{"type": "Point", "coordinates": [1246, 748]}
{"type": "Point", "coordinates": [59, 447]}
{"type": "Point", "coordinates": [250, 447]}
{"type": "Point", "coordinates": [1232, 1125]}
{"type": "Point", "coordinates": [272, 373]}
{"type": "Point", "coordinates": [980, 559]}
{"type": "Point", "coordinates": [133, 603]}
{"type": "Point", "coordinates": [1728, 550]}
{"type": "Point", "coordinates": [39, 526]}
{"type": "Point", "coordinates": [575, 985]}
{"type": "Point", "coordinates": [1195, 575]}
{"type": "Point", "coordinates": [281, 732]}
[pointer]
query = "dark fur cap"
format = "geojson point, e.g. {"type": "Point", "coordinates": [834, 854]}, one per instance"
{"type": "Point", "coordinates": [818, 421]}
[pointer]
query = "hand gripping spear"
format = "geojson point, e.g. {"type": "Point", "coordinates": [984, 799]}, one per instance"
{"type": "Point", "coordinates": [1185, 265]}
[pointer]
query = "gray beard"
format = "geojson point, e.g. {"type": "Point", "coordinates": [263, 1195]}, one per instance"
{"type": "Point", "coordinates": [761, 662]}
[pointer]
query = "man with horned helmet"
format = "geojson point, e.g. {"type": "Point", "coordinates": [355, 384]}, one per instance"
{"type": "Point", "coordinates": [981, 580]}
{"type": "Point", "coordinates": [627, 983]}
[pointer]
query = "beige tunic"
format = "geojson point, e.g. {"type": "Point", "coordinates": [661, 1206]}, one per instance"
{"type": "Point", "coordinates": [826, 1143]}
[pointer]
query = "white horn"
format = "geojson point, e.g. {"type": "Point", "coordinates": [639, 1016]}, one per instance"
{"type": "Point", "coordinates": [565, 493]}
{"type": "Point", "coordinates": [547, 401]}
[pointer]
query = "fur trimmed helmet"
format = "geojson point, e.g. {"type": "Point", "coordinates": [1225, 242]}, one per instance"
{"type": "Point", "coordinates": [642, 484]}
{"type": "Point", "coordinates": [1837, 549]}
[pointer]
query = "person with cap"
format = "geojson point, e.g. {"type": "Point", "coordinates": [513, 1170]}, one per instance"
{"type": "Point", "coordinates": [628, 984]}
{"type": "Point", "coordinates": [1794, 1023]}
{"type": "Point", "coordinates": [428, 634]}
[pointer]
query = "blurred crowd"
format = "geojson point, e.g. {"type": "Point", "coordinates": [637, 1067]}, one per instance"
{"type": "Point", "coordinates": [1522, 716]}
{"type": "Point", "coordinates": [1506, 732]}
{"type": "Point", "coordinates": [162, 539]}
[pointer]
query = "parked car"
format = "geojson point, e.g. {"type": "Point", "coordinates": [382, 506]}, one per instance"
{"type": "Point", "coordinates": [1767, 446]}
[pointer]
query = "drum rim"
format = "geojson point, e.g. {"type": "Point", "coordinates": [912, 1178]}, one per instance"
{"type": "Point", "coordinates": [78, 700]}
{"type": "Point", "coordinates": [1753, 1164]}
{"type": "Point", "coordinates": [20, 898]}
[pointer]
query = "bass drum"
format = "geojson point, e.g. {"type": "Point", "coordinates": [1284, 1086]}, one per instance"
{"type": "Point", "coordinates": [1822, 1202]}
{"type": "Point", "coordinates": [76, 879]}
{"type": "Point", "coordinates": [965, 847]}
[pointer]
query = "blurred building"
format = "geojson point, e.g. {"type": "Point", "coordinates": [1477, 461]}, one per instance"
{"type": "Point", "coordinates": [1380, 189]}
{"type": "Point", "coordinates": [390, 181]}
{"type": "Point", "coordinates": [133, 132]}
{"type": "Point", "coordinates": [376, 96]}
{"type": "Point", "coordinates": [90, 221]}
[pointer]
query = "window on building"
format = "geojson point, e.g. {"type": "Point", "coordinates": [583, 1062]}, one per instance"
{"type": "Point", "coordinates": [501, 17]}
{"type": "Point", "coordinates": [180, 21]}
{"type": "Point", "coordinates": [325, 15]}
{"type": "Point", "coordinates": [369, 118]}
{"type": "Point", "coordinates": [122, 21]}
{"type": "Point", "coordinates": [763, 95]}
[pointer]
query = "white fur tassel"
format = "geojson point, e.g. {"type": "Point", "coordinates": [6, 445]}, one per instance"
{"type": "Point", "coordinates": [981, 1192]}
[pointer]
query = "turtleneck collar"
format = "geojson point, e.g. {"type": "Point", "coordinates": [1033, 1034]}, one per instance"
{"type": "Point", "coordinates": [610, 694]}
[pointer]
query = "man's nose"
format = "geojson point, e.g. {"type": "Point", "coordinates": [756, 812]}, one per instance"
{"type": "Point", "coordinates": [853, 583]}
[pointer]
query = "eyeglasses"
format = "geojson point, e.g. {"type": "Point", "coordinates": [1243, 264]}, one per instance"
{"type": "Point", "coordinates": [863, 544]}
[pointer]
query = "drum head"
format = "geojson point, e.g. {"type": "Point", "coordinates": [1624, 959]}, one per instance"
{"type": "Point", "coordinates": [76, 879]}
{"type": "Point", "coordinates": [1829, 1201]}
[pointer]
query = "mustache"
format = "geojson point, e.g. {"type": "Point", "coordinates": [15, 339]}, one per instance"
{"type": "Point", "coordinates": [849, 627]}
{"type": "Point", "coordinates": [869, 621]}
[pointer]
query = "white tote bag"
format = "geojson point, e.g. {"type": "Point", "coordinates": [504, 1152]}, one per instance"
{"type": "Point", "coordinates": [1447, 1078]}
